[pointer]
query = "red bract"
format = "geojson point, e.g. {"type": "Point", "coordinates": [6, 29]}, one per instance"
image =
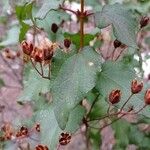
{"type": "Point", "coordinates": [114, 96]}
{"type": "Point", "coordinates": [27, 47]}
{"type": "Point", "coordinates": [136, 86]}
{"type": "Point", "coordinates": [147, 97]}
{"type": "Point", "coordinates": [144, 21]}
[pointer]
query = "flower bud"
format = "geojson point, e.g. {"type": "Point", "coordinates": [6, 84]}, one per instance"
{"type": "Point", "coordinates": [27, 48]}
{"type": "Point", "coordinates": [144, 21]}
{"type": "Point", "coordinates": [117, 43]}
{"type": "Point", "coordinates": [41, 147]}
{"type": "Point", "coordinates": [114, 96]}
{"type": "Point", "coordinates": [136, 87]}
{"type": "Point", "coordinates": [67, 43]}
{"type": "Point", "coordinates": [147, 97]}
{"type": "Point", "coordinates": [54, 27]}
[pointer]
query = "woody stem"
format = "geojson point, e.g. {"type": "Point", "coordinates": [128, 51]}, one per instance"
{"type": "Point", "coordinates": [82, 25]}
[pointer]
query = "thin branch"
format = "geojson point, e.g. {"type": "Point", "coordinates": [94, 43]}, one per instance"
{"type": "Point", "coordinates": [126, 102]}
{"type": "Point", "coordinates": [41, 69]}
{"type": "Point", "coordinates": [49, 70]}
{"type": "Point", "coordinates": [35, 67]}
{"type": "Point", "coordinates": [94, 102]}
{"type": "Point", "coordinates": [67, 9]}
{"type": "Point", "coordinates": [112, 122]}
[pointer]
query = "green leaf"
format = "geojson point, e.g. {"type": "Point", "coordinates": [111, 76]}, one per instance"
{"type": "Point", "coordinates": [34, 86]}
{"type": "Point", "coordinates": [95, 138]}
{"type": "Point", "coordinates": [96, 5]}
{"type": "Point", "coordinates": [124, 25]}
{"type": "Point", "coordinates": [99, 109]}
{"type": "Point", "coordinates": [50, 130]}
{"type": "Point", "coordinates": [122, 130]}
{"type": "Point", "coordinates": [47, 6]}
{"type": "Point", "coordinates": [50, 19]}
{"type": "Point", "coordinates": [23, 30]}
{"type": "Point", "coordinates": [127, 133]}
{"type": "Point", "coordinates": [115, 75]}
{"type": "Point", "coordinates": [77, 77]}
{"type": "Point", "coordinates": [75, 38]}
{"type": "Point", "coordinates": [24, 12]}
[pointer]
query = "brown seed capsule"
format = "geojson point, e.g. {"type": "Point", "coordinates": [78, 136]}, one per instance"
{"type": "Point", "coordinates": [18, 54]}
{"type": "Point", "coordinates": [38, 57]}
{"type": "Point", "coordinates": [67, 43]}
{"type": "Point", "coordinates": [7, 50]}
{"type": "Point", "coordinates": [114, 96]}
{"type": "Point", "coordinates": [24, 131]}
{"type": "Point", "coordinates": [136, 86]}
{"type": "Point", "coordinates": [144, 21]}
{"type": "Point", "coordinates": [117, 43]}
{"type": "Point", "coordinates": [54, 27]}
{"type": "Point", "coordinates": [37, 127]}
{"type": "Point", "coordinates": [48, 54]}
{"type": "Point", "coordinates": [27, 48]}
{"type": "Point", "coordinates": [41, 147]}
{"type": "Point", "coordinates": [147, 97]}
{"type": "Point", "coordinates": [64, 139]}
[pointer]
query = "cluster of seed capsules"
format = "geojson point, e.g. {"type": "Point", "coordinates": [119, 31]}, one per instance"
{"type": "Point", "coordinates": [8, 134]}
{"type": "Point", "coordinates": [39, 54]}
{"type": "Point", "coordinates": [10, 54]}
{"type": "Point", "coordinates": [136, 87]}
{"type": "Point", "coordinates": [44, 50]}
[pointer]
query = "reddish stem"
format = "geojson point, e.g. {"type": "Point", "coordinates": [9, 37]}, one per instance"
{"type": "Point", "coordinates": [67, 9]}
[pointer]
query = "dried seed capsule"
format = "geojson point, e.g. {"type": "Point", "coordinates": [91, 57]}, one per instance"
{"type": "Point", "coordinates": [27, 48]}
{"type": "Point", "coordinates": [24, 131]}
{"type": "Point", "coordinates": [144, 21]}
{"type": "Point", "coordinates": [48, 54]}
{"type": "Point", "coordinates": [54, 27]}
{"type": "Point", "coordinates": [147, 97]}
{"type": "Point", "coordinates": [136, 87]}
{"type": "Point", "coordinates": [41, 147]}
{"type": "Point", "coordinates": [114, 96]}
{"type": "Point", "coordinates": [37, 127]}
{"type": "Point", "coordinates": [117, 43]}
{"type": "Point", "coordinates": [38, 56]}
{"type": "Point", "coordinates": [18, 54]}
{"type": "Point", "coordinates": [64, 139]}
{"type": "Point", "coordinates": [67, 43]}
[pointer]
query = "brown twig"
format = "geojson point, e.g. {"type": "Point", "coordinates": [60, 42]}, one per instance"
{"type": "Point", "coordinates": [126, 102]}
{"type": "Point", "coordinates": [82, 25]}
